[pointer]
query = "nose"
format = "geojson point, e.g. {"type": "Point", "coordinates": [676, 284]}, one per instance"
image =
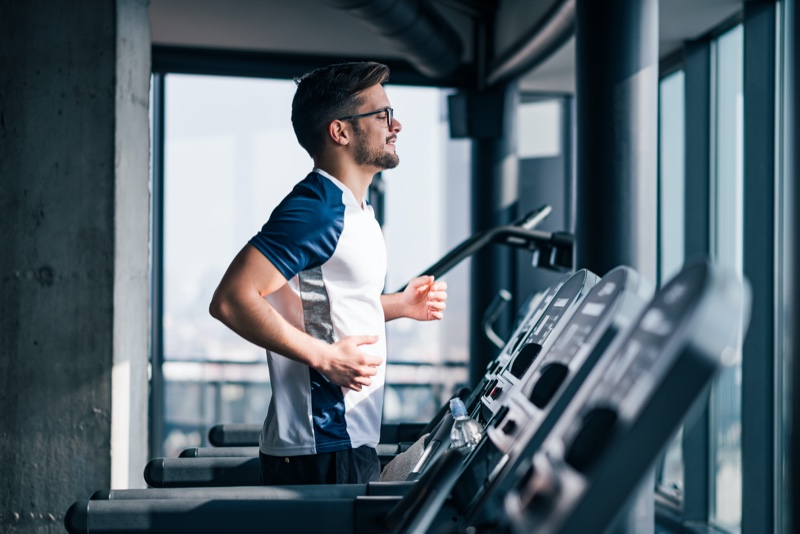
{"type": "Point", "coordinates": [396, 125]}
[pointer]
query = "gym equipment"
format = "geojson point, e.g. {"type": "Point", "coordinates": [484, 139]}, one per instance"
{"type": "Point", "coordinates": [531, 339]}
{"type": "Point", "coordinates": [405, 513]}
{"type": "Point", "coordinates": [209, 471]}
{"type": "Point", "coordinates": [552, 251]}
{"type": "Point", "coordinates": [614, 428]}
{"type": "Point", "coordinates": [578, 477]}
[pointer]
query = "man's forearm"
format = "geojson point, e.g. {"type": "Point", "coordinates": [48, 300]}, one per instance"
{"type": "Point", "coordinates": [256, 320]}
{"type": "Point", "coordinates": [343, 363]}
{"type": "Point", "coordinates": [393, 306]}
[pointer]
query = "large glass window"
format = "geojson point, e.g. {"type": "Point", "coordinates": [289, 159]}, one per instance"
{"type": "Point", "coordinates": [539, 128]}
{"type": "Point", "coordinates": [727, 245]}
{"type": "Point", "coordinates": [426, 214]}
{"type": "Point", "coordinates": [545, 178]}
{"type": "Point", "coordinates": [671, 231]}
{"type": "Point", "coordinates": [230, 157]}
{"type": "Point", "coordinates": [671, 175]}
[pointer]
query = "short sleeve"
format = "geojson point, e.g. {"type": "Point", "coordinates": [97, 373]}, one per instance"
{"type": "Point", "coordinates": [303, 231]}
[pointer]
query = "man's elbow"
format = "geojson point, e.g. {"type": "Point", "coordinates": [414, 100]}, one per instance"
{"type": "Point", "coordinates": [219, 308]}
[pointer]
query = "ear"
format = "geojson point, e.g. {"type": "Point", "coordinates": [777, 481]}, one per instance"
{"type": "Point", "coordinates": [340, 132]}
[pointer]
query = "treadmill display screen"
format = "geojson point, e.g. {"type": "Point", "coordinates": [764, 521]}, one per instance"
{"type": "Point", "coordinates": [638, 355]}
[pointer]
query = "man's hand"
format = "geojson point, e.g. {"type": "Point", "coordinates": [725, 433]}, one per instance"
{"type": "Point", "coordinates": [348, 367]}
{"type": "Point", "coordinates": [239, 303]}
{"type": "Point", "coordinates": [424, 299]}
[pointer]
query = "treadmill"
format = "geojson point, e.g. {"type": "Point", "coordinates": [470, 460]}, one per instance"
{"type": "Point", "coordinates": [244, 471]}
{"type": "Point", "coordinates": [384, 513]}
{"type": "Point", "coordinates": [580, 475]}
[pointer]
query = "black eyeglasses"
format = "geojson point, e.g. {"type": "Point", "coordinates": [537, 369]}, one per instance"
{"type": "Point", "coordinates": [389, 115]}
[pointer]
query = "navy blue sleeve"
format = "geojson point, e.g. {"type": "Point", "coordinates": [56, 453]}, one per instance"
{"type": "Point", "coordinates": [304, 229]}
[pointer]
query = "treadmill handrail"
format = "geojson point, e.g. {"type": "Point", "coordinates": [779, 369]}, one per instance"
{"type": "Point", "coordinates": [510, 235]}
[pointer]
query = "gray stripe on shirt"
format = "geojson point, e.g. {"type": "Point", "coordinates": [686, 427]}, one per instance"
{"type": "Point", "coordinates": [316, 305]}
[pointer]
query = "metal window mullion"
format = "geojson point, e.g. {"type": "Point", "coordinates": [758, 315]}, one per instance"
{"type": "Point", "coordinates": [792, 275]}
{"type": "Point", "coordinates": [713, 163]}
{"type": "Point", "coordinates": [713, 253]}
{"type": "Point", "coordinates": [697, 236]}
{"type": "Point", "coordinates": [781, 369]}
{"type": "Point", "coordinates": [659, 225]}
{"type": "Point", "coordinates": [157, 404]}
{"type": "Point", "coordinates": [758, 354]}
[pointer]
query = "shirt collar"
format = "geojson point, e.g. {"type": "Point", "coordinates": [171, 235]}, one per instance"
{"type": "Point", "coordinates": [341, 186]}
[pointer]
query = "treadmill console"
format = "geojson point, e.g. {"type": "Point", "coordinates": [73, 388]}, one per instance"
{"type": "Point", "coordinates": [530, 343]}
{"type": "Point", "coordinates": [630, 404]}
{"type": "Point", "coordinates": [611, 305]}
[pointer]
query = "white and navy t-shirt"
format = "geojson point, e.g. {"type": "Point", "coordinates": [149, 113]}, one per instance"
{"type": "Point", "coordinates": [331, 250]}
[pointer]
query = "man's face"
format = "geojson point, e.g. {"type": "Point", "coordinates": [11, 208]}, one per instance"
{"type": "Point", "coordinates": [374, 138]}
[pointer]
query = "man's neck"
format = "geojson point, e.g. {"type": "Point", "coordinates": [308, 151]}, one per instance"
{"type": "Point", "coordinates": [356, 178]}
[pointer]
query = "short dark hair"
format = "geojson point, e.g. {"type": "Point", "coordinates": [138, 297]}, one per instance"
{"type": "Point", "coordinates": [328, 93]}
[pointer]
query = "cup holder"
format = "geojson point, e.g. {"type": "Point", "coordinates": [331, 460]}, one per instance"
{"type": "Point", "coordinates": [596, 430]}
{"type": "Point", "coordinates": [524, 359]}
{"type": "Point", "coordinates": [519, 340]}
{"type": "Point", "coordinates": [551, 378]}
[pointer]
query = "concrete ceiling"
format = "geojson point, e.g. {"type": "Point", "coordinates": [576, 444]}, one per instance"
{"type": "Point", "coordinates": [310, 27]}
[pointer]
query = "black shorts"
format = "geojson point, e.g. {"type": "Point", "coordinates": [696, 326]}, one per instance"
{"type": "Point", "coordinates": [350, 466]}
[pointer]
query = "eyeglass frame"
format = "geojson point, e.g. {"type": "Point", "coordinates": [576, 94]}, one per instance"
{"type": "Point", "coordinates": [389, 116]}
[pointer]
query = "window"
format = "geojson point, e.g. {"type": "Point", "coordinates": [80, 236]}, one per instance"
{"type": "Point", "coordinates": [427, 213]}
{"type": "Point", "coordinates": [727, 243]}
{"type": "Point", "coordinates": [230, 157]}
{"type": "Point", "coordinates": [543, 143]}
{"type": "Point", "coordinates": [671, 175]}
{"type": "Point", "coordinates": [539, 128]}
{"type": "Point", "coordinates": [671, 232]}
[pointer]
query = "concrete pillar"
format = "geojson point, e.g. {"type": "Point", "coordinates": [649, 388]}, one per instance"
{"type": "Point", "coordinates": [617, 160]}
{"type": "Point", "coordinates": [74, 229]}
{"type": "Point", "coordinates": [617, 132]}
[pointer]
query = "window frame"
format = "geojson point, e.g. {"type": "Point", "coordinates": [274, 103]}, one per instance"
{"type": "Point", "coordinates": [760, 468]}
{"type": "Point", "coordinates": [762, 483]}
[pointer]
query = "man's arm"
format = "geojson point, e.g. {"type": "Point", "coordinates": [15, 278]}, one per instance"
{"type": "Point", "coordinates": [423, 300]}
{"type": "Point", "coordinates": [239, 303]}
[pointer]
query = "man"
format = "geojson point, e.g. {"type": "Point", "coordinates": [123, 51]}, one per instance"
{"type": "Point", "coordinates": [308, 287]}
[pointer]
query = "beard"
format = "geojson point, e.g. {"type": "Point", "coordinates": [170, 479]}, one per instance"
{"type": "Point", "coordinates": [366, 155]}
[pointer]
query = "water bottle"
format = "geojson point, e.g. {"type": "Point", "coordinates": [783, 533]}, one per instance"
{"type": "Point", "coordinates": [466, 432]}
